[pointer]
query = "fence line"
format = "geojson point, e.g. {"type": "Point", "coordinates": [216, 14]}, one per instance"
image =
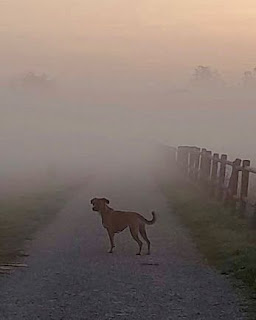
{"type": "Point", "coordinates": [211, 172]}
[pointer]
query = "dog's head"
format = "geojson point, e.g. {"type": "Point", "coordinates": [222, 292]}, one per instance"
{"type": "Point", "coordinates": [98, 204]}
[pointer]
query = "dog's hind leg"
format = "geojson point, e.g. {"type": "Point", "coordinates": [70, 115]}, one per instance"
{"type": "Point", "coordinates": [134, 233]}
{"type": "Point", "coordinates": [111, 238]}
{"type": "Point", "coordinates": [144, 236]}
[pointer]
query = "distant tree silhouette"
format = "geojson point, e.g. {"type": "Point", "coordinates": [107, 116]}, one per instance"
{"type": "Point", "coordinates": [33, 81]}
{"type": "Point", "coordinates": [249, 79]}
{"type": "Point", "coordinates": [205, 77]}
{"type": "Point", "coordinates": [36, 80]}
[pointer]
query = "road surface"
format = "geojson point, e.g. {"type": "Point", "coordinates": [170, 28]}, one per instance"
{"type": "Point", "coordinates": [71, 276]}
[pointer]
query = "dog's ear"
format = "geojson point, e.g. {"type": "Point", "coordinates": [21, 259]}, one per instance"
{"type": "Point", "coordinates": [92, 200]}
{"type": "Point", "coordinates": [106, 200]}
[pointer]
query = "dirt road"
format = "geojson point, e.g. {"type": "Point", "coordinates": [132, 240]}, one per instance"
{"type": "Point", "coordinates": [71, 276]}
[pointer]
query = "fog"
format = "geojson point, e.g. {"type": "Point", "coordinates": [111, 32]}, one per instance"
{"type": "Point", "coordinates": [67, 138]}
{"type": "Point", "coordinates": [89, 86]}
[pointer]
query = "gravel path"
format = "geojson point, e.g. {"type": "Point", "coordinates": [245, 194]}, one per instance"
{"type": "Point", "coordinates": [71, 275]}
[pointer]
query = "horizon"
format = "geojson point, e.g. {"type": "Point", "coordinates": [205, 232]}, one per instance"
{"type": "Point", "coordinates": [154, 38]}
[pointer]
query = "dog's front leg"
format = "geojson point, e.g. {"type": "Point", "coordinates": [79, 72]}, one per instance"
{"type": "Point", "coordinates": [111, 238]}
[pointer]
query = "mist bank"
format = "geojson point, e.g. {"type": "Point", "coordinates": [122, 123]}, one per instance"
{"type": "Point", "coordinates": [69, 135]}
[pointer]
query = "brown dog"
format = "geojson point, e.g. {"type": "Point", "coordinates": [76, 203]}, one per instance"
{"type": "Point", "coordinates": [116, 221]}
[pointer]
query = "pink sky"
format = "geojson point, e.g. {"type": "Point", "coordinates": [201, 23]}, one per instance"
{"type": "Point", "coordinates": [162, 36]}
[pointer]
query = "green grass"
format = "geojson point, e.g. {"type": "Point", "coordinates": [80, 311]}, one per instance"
{"type": "Point", "coordinates": [224, 238]}
{"type": "Point", "coordinates": [22, 215]}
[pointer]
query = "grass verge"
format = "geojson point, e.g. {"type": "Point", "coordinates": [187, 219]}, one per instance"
{"type": "Point", "coordinates": [223, 237]}
{"type": "Point", "coordinates": [22, 215]}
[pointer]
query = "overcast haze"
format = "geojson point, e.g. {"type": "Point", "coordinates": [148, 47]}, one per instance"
{"type": "Point", "coordinates": [121, 75]}
{"type": "Point", "coordinates": [161, 35]}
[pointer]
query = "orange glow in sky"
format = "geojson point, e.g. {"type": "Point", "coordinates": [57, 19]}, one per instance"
{"type": "Point", "coordinates": [158, 34]}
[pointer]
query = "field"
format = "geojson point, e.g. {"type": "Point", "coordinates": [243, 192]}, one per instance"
{"type": "Point", "coordinates": [21, 215]}
{"type": "Point", "coordinates": [226, 239]}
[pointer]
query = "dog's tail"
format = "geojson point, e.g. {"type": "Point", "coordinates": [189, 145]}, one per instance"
{"type": "Point", "coordinates": [149, 222]}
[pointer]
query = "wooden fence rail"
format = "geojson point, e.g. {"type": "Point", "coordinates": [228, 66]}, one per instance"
{"type": "Point", "coordinates": [211, 172]}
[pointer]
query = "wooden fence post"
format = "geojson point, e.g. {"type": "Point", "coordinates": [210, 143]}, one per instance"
{"type": "Point", "coordinates": [186, 160]}
{"type": "Point", "coordinates": [205, 168]}
{"type": "Point", "coordinates": [197, 163]}
{"type": "Point", "coordinates": [233, 184]}
{"type": "Point", "coordinates": [183, 157]}
{"type": "Point", "coordinates": [191, 162]}
{"type": "Point", "coordinates": [222, 175]}
{"type": "Point", "coordinates": [208, 165]}
{"type": "Point", "coordinates": [202, 165]}
{"type": "Point", "coordinates": [244, 185]}
{"type": "Point", "coordinates": [214, 173]}
{"type": "Point", "coordinates": [179, 157]}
